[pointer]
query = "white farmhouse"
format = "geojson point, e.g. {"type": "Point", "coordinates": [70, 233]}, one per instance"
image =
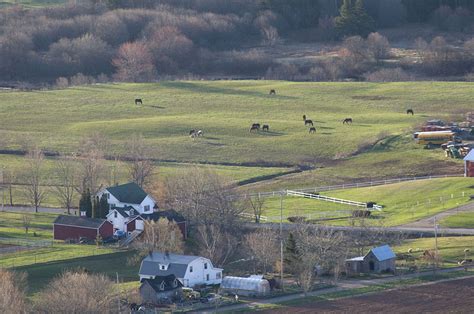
{"type": "Point", "coordinates": [127, 196]}
{"type": "Point", "coordinates": [190, 270]}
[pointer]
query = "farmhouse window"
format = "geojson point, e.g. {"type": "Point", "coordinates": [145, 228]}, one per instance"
{"type": "Point", "coordinates": [147, 208]}
{"type": "Point", "coordinates": [207, 277]}
{"type": "Point", "coordinates": [218, 275]}
{"type": "Point", "coordinates": [107, 195]}
{"type": "Point", "coordinates": [190, 269]}
{"type": "Point", "coordinates": [115, 214]}
{"type": "Point", "coordinates": [205, 265]}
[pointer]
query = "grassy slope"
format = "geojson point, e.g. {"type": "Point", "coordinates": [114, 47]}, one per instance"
{"type": "Point", "coordinates": [461, 220]}
{"type": "Point", "coordinates": [224, 110]}
{"type": "Point", "coordinates": [403, 202]}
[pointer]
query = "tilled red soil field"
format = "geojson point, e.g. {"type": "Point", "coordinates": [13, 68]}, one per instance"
{"type": "Point", "coordinates": [455, 296]}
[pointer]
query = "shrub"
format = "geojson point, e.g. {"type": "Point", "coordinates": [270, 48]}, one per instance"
{"type": "Point", "coordinates": [388, 75]}
{"type": "Point", "coordinates": [297, 219]}
{"type": "Point", "coordinates": [62, 82]}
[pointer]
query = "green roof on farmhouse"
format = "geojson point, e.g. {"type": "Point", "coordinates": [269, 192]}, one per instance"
{"type": "Point", "coordinates": [129, 193]}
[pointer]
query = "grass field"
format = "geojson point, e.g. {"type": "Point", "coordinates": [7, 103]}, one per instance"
{"type": "Point", "coordinates": [31, 3]}
{"type": "Point", "coordinates": [224, 110]}
{"type": "Point", "coordinates": [461, 220]}
{"type": "Point", "coordinates": [451, 249]}
{"type": "Point", "coordinates": [41, 226]}
{"type": "Point", "coordinates": [403, 202]}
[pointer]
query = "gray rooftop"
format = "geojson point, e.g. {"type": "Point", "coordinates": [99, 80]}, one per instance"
{"type": "Point", "coordinates": [178, 264]}
{"type": "Point", "coordinates": [383, 253]}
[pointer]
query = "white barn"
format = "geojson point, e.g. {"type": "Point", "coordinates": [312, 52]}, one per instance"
{"type": "Point", "coordinates": [190, 270]}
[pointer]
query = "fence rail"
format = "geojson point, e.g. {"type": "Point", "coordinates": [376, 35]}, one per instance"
{"type": "Point", "coordinates": [349, 185]}
{"type": "Point", "coordinates": [252, 216]}
{"type": "Point", "coordinates": [331, 199]}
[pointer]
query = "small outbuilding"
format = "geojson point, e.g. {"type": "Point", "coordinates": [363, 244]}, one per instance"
{"type": "Point", "coordinates": [377, 260]}
{"type": "Point", "coordinates": [75, 227]}
{"type": "Point", "coordinates": [246, 286]}
{"type": "Point", "coordinates": [161, 289]}
{"type": "Point", "coordinates": [469, 164]}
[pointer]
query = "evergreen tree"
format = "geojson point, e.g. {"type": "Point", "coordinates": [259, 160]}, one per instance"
{"type": "Point", "coordinates": [291, 256]}
{"type": "Point", "coordinates": [95, 207]}
{"type": "Point", "coordinates": [88, 204]}
{"type": "Point", "coordinates": [354, 19]}
{"type": "Point", "coordinates": [364, 23]}
{"type": "Point", "coordinates": [103, 206]}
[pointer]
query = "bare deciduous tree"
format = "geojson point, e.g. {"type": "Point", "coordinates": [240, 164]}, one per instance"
{"type": "Point", "coordinates": [26, 222]}
{"type": "Point", "coordinates": [65, 190]}
{"type": "Point", "coordinates": [12, 292]}
{"type": "Point", "coordinates": [92, 163]}
{"type": "Point", "coordinates": [321, 250]}
{"type": "Point", "coordinates": [163, 236]}
{"type": "Point", "coordinates": [256, 203]}
{"type": "Point", "coordinates": [140, 166]}
{"type": "Point", "coordinates": [34, 190]}
{"type": "Point", "coordinates": [203, 197]}
{"type": "Point", "coordinates": [378, 46]}
{"type": "Point", "coordinates": [77, 292]}
{"type": "Point", "coordinates": [134, 62]}
{"type": "Point", "coordinates": [263, 246]}
{"type": "Point", "coordinates": [216, 243]}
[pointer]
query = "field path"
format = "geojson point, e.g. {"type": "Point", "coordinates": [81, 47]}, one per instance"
{"type": "Point", "coordinates": [429, 222]}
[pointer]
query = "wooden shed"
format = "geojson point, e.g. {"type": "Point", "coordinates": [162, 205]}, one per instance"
{"type": "Point", "coordinates": [469, 164]}
{"type": "Point", "coordinates": [377, 260]}
{"type": "Point", "coordinates": [74, 227]}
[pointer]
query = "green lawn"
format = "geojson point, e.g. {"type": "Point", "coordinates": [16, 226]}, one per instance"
{"type": "Point", "coordinates": [403, 202]}
{"type": "Point", "coordinates": [32, 3]}
{"type": "Point", "coordinates": [461, 220]}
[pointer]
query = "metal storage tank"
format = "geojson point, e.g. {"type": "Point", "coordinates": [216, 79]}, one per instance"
{"type": "Point", "coordinates": [245, 286]}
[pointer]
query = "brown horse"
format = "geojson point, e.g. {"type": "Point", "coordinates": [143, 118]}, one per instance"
{"type": "Point", "coordinates": [410, 111]}
{"type": "Point", "coordinates": [308, 122]}
{"type": "Point", "coordinates": [256, 126]}
{"type": "Point", "coordinates": [312, 130]}
{"type": "Point", "coordinates": [272, 92]}
{"type": "Point", "coordinates": [265, 128]}
{"type": "Point", "coordinates": [347, 121]}
{"type": "Point", "coordinates": [253, 128]}
{"type": "Point", "coordinates": [138, 101]}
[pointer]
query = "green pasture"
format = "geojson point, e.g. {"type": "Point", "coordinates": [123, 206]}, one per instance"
{"type": "Point", "coordinates": [451, 249]}
{"type": "Point", "coordinates": [403, 202]}
{"type": "Point", "coordinates": [11, 226]}
{"type": "Point", "coordinates": [224, 110]}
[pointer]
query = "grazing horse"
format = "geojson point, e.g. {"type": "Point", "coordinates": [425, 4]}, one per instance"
{"type": "Point", "coordinates": [199, 133]}
{"type": "Point", "coordinates": [192, 132]}
{"type": "Point", "coordinates": [347, 120]}
{"type": "Point", "coordinates": [272, 92]}
{"type": "Point", "coordinates": [304, 117]}
{"type": "Point", "coordinates": [254, 128]}
{"type": "Point", "coordinates": [312, 130]}
{"type": "Point", "coordinates": [308, 122]}
{"type": "Point", "coordinates": [265, 128]}
{"type": "Point", "coordinates": [138, 101]}
{"type": "Point", "coordinates": [410, 111]}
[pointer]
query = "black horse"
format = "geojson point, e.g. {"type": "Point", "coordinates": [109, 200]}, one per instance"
{"type": "Point", "coordinates": [265, 128]}
{"type": "Point", "coordinates": [138, 101]}
{"type": "Point", "coordinates": [256, 126]}
{"type": "Point", "coordinates": [272, 92]}
{"type": "Point", "coordinates": [308, 122]}
{"type": "Point", "coordinates": [312, 130]}
{"type": "Point", "coordinates": [410, 111]}
{"type": "Point", "coordinates": [347, 121]}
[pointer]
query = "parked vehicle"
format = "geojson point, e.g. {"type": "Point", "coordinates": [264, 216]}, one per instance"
{"type": "Point", "coordinates": [120, 234]}
{"type": "Point", "coordinates": [190, 294]}
{"type": "Point", "coordinates": [210, 298]}
{"type": "Point", "coordinates": [84, 240]}
{"type": "Point", "coordinates": [109, 240]}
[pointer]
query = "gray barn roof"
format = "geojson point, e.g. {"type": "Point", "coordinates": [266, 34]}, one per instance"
{"type": "Point", "coordinates": [178, 264]}
{"type": "Point", "coordinates": [76, 221]}
{"type": "Point", "coordinates": [383, 253]}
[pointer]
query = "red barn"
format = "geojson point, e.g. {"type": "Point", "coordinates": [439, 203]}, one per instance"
{"type": "Point", "coordinates": [74, 227]}
{"type": "Point", "coordinates": [469, 164]}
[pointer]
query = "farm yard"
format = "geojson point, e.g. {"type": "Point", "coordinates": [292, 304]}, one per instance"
{"type": "Point", "coordinates": [377, 144]}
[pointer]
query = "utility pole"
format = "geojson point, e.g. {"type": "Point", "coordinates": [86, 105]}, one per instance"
{"type": "Point", "coordinates": [281, 239]}
{"type": "Point", "coordinates": [436, 244]}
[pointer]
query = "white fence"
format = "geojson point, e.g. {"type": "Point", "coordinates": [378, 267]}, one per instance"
{"type": "Point", "coordinates": [348, 186]}
{"type": "Point", "coordinates": [331, 199]}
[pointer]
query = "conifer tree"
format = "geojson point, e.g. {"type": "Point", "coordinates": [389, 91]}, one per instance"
{"type": "Point", "coordinates": [103, 206]}
{"type": "Point", "coordinates": [292, 258]}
